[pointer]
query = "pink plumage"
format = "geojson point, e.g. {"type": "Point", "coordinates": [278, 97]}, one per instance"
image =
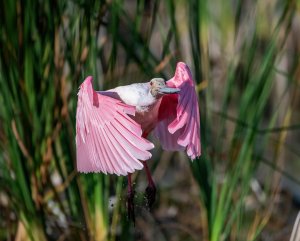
{"type": "Point", "coordinates": [183, 119]}
{"type": "Point", "coordinates": [107, 139]}
{"type": "Point", "coordinates": [111, 126]}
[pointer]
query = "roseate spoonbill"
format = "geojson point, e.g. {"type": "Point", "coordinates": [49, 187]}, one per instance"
{"type": "Point", "coordinates": [112, 126]}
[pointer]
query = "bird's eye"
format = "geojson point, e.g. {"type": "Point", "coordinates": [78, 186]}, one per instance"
{"type": "Point", "coordinates": [151, 83]}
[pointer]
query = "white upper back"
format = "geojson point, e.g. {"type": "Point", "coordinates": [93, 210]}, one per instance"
{"type": "Point", "coordinates": [137, 95]}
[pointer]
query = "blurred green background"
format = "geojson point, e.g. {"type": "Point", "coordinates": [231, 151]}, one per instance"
{"type": "Point", "coordinates": [244, 56]}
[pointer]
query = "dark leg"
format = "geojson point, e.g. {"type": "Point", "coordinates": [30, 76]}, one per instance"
{"type": "Point", "coordinates": [130, 198]}
{"type": "Point", "coordinates": [151, 189]}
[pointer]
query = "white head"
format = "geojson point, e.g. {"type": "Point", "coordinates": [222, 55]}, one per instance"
{"type": "Point", "coordinates": [158, 88]}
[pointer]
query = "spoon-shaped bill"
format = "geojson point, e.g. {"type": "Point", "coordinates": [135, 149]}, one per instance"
{"type": "Point", "coordinates": [168, 90]}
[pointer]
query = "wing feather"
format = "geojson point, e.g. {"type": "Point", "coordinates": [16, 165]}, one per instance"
{"type": "Point", "coordinates": [120, 142]}
{"type": "Point", "coordinates": [103, 147]}
{"type": "Point", "coordinates": [106, 151]}
{"type": "Point", "coordinates": [180, 127]}
{"type": "Point", "coordinates": [129, 139]}
{"type": "Point", "coordinates": [116, 157]}
{"type": "Point", "coordinates": [120, 165]}
{"type": "Point", "coordinates": [124, 153]}
{"type": "Point", "coordinates": [131, 125]}
{"type": "Point", "coordinates": [107, 139]}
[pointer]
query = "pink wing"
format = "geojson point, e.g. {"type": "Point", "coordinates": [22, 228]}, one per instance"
{"type": "Point", "coordinates": [179, 114]}
{"type": "Point", "coordinates": [107, 139]}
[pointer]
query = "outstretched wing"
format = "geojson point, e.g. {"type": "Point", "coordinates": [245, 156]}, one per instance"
{"type": "Point", "coordinates": [179, 118]}
{"type": "Point", "coordinates": [107, 139]}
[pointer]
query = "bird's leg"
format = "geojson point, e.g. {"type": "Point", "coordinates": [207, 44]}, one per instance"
{"type": "Point", "coordinates": [151, 189]}
{"type": "Point", "coordinates": [130, 198]}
